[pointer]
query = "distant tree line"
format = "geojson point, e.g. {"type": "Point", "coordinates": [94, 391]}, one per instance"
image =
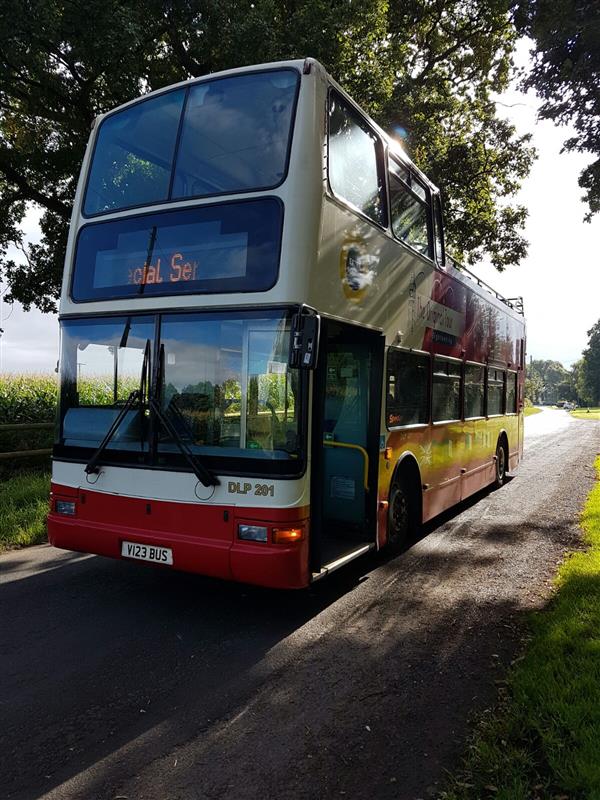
{"type": "Point", "coordinates": [550, 382]}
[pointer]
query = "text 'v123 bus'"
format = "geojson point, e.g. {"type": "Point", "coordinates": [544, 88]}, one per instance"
{"type": "Point", "coordinates": [268, 365]}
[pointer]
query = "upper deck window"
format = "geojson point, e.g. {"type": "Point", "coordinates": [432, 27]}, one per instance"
{"type": "Point", "coordinates": [438, 231]}
{"type": "Point", "coordinates": [355, 161]}
{"type": "Point", "coordinates": [235, 134]}
{"type": "Point", "coordinates": [234, 137]}
{"type": "Point", "coordinates": [133, 155]}
{"type": "Point", "coordinates": [409, 203]}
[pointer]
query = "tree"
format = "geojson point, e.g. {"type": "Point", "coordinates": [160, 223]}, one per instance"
{"type": "Point", "coordinates": [589, 370]}
{"type": "Point", "coordinates": [534, 387]}
{"type": "Point", "coordinates": [548, 381]}
{"type": "Point", "coordinates": [426, 69]}
{"type": "Point", "coordinates": [566, 75]}
{"type": "Point", "coordinates": [581, 393]}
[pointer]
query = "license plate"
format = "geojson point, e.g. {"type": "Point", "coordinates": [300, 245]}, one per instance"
{"type": "Point", "coordinates": [147, 552]}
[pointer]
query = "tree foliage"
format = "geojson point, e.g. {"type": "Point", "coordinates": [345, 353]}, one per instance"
{"type": "Point", "coordinates": [425, 68]}
{"type": "Point", "coordinates": [589, 369]}
{"type": "Point", "coordinates": [548, 382]}
{"type": "Point", "coordinates": [566, 75]}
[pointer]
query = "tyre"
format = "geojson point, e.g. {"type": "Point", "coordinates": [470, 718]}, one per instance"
{"type": "Point", "coordinates": [401, 516]}
{"type": "Point", "coordinates": [501, 464]}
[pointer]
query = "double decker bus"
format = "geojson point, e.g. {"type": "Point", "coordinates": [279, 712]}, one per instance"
{"type": "Point", "coordinates": [269, 366]}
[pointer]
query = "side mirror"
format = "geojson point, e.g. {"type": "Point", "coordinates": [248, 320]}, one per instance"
{"type": "Point", "coordinates": [304, 345]}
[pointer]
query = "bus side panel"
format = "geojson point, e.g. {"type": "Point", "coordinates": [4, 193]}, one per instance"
{"type": "Point", "coordinates": [455, 461]}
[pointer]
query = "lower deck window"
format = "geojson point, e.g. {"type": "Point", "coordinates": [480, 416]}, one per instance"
{"type": "Point", "coordinates": [474, 390]}
{"type": "Point", "coordinates": [511, 393]}
{"type": "Point", "coordinates": [227, 384]}
{"type": "Point", "coordinates": [446, 390]}
{"type": "Point", "coordinates": [495, 392]}
{"type": "Point", "coordinates": [407, 388]}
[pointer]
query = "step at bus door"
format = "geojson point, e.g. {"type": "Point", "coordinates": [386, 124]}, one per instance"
{"type": "Point", "coordinates": [345, 439]}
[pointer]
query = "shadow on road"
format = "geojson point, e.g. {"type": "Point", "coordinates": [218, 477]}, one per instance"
{"type": "Point", "coordinates": [108, 657]}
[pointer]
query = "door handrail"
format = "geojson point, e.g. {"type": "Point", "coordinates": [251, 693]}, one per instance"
{"type": "Point", "coordinates": [362, 450]}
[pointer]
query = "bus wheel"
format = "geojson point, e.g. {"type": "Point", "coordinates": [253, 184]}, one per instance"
{"type": "Point", "coordinates": [501, 461]}
{"type": "Point", "coordinates": [400, 516]}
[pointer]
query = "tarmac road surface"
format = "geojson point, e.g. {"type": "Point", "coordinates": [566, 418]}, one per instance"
{"type": "Point", "coordinates": [123, 681]}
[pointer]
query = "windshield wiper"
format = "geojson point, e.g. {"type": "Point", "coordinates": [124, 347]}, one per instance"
{"type": "Point", "coordinates": [137, 395]}
{"type": "Point", "coordinates": [204, 475]}
{"type": "Point", "coordinates": [149, 254]}
{"type": "Point", "coordinates": [92, 465]}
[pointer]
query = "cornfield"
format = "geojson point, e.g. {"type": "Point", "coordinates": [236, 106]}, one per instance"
{"type": "Point", "coordinates": [23, 399]}
{"type": "Point", "coordinates": [27, 398]}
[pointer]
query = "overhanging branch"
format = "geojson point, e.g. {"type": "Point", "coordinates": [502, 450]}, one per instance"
{"type": "Point", "coordinates": [30, 192]}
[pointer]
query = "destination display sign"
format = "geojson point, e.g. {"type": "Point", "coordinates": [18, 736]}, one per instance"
{"type": "Point", "coordinates": [182, 253]}
{"type": "Point", "coordinates": [223, 248]}
{"type": "Point", "coordinates": [176, 270]}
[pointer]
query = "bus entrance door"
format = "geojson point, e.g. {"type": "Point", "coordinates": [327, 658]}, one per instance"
{"type": "Point", "coordinates": [345, 444]}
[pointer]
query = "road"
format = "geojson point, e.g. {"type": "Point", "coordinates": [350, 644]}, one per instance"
{"type": "Point", "coordinates": [121, 681]}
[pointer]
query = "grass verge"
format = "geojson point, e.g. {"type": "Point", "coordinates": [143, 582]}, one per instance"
{"type": "Point", "coordinates": [529, 410]}
{"type": "Point", "coordinates": [23, 509]}
{"type": "Point", "coordinates": [586, 413]}
{"type": "Point", "coordinates": [544, 740]}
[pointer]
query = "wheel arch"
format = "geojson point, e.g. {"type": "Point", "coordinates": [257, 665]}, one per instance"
{"type": "Point", "coordinates": [501, 467]}
{"type": "Point", "coordinates": [503, 437]}
{"type": "Point", "coordinates": [407, 468]}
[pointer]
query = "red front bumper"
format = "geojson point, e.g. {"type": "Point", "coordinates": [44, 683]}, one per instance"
{"type": "Point", "coordinates": [203, 538]}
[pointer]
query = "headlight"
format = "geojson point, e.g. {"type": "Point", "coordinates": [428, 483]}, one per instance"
{"type": "Point", "coordinates": [65, 507]}
{"type": "Point", "coordinates": [252, 533]}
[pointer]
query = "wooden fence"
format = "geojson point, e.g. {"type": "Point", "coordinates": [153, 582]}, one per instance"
{"type": "Point", "coordinates": [27, 426]}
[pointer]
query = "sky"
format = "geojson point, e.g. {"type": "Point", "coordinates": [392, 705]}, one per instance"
{"type": "Point", "coordinates": [559, 280]}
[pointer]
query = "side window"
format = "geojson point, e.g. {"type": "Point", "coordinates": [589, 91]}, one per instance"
{"type": "Point", "coordinates": [407, 388]}
{"type": "Point", "coordinates": [438, 230]}
{"type": "Point", "coordinates": [474, 390]}
{"type": "Point", "coordinates": [355, 161]}
{"type": "Point", "coordinates": [446, 390]}
{"type": "Point", "coordinates": [522, 354]}
{"type": "Point", "coordinates": [511, 393]}
{"type": "Point", "coordinates": [495, 403]}
{"type": "Point", "coordinates": [409, 203]}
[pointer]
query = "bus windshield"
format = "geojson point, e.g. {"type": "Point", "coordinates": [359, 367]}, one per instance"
{"type": "Point", "coordinates": [222, 380]}
{"type": "Point", "coordinates": [215, 137]}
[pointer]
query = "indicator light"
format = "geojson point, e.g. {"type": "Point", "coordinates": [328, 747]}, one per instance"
{"type": "Point", "coordinates": [287, 535]}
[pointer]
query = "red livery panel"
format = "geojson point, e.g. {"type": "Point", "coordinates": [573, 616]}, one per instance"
{"type": "Point", "coordinates": [203, 538]}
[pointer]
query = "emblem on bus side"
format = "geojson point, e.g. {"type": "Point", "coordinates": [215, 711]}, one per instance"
{"type": "Point", "coordinates": [357, 269]}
